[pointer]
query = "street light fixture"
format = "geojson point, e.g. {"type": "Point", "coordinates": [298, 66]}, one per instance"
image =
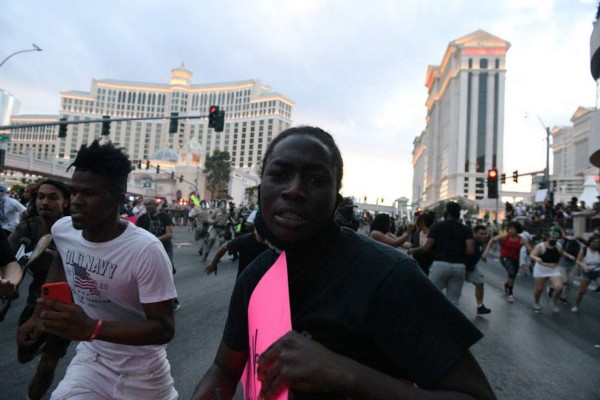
{"type": "Point", "coordinates": [35, 48]}
{"type": "Point", "coordinates": [547, 169]}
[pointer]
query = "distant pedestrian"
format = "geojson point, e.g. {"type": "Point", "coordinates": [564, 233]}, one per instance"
{"type": "Point", "coordinates": [589, 261]}
{"type": "Point", "coordinates": [380, 231]}
{"type": "Point", "coordinates": [546, 256]}
{"type": "Point", "coordinates": [568, 266]}
{"type": "Point", "coordinates": [510, 246]}
{"type": "Point", "coordinates": [161, 226]}
{"type": "Point", "coordinates": [344, 215]}
{"type": "Point", "coordinates": [473, 275]}
{"type": "Point", "coordinates": [419, 238]}
{"type": "Point", "coordinates": [10, 211]}
{"type": "Point", "coordinates": [451, 242]}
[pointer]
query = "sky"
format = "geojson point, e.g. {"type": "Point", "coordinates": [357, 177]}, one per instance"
{"type": "Point", "coordinates": [354, 68]}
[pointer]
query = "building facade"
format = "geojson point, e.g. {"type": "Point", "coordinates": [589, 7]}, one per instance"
{"type": "Point", "coordinates": [254, 115]}
{"type": "Point", "coordinates": [571, 150]}
{"type": "Point", "coordinates": [464, 131]}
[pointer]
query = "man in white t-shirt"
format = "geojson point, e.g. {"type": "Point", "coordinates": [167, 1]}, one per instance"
{"type": "Point", "coordinates": [10, 211]}
{"type": "Point", "coordinates": [122, 286]}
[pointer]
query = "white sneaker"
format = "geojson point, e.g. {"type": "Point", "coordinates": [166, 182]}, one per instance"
{"type": "Point", "coordinates": [574, 309]}
{"type": "Point", "coordinates": [537, 307]}
{"type": "Point", "coordinates": [555, 309]}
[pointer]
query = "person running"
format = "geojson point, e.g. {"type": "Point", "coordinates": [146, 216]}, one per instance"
{"type": "Point", "coordinates": [568, 267]}
{"type": "Point", "coordinates": [122, 286]}
{"type": "Point", "coordinates": [380, 231]}
{"type": "Point", "coordinates": [510, 246]}
{"type": "Point", "coordinates": [10, 211]}
{"type": "Point", "coordinates": [589, 261]}
{"type": "Point", "coordinates": [10, 271]}
{"type": "Point", "coordinates": [419, 238]}
{"type": "Point", "coordinates": [399, 335]}
{"type": "Point", "coordinates": [546, 256]}
{"type": "Point", "coordinates": [451, 243]}
{"type": "Point", "coordinates": [160, 225]}
{"type": "Point", "coordinates": [473, 275]}
{"type": "Point", "coordinates": [51, 201]}
{"type": "Point", "coordinates": [247, 246]}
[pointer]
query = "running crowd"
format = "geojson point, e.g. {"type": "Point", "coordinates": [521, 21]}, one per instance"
{"type": "Point", "coordinates": [118, 264]}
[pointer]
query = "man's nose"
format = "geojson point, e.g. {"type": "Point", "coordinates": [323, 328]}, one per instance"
{"type": "Point", "coordinates": [296, 187]}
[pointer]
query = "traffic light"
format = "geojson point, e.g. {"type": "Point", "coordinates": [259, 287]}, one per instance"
{"type": "Point", "coordinates": [105, 125]}
{"type": "Point", "coordinates": [147, 164]}
{"type": "Point", "coordinates": [62, 128]}
{"type": "Point", "coordinates": [213, 113]}
{"type": "Point", "coordinates": [173, 123]}
{"type": "Point", "coordinates": [139, 164]}
{"type": "Point", "coordinates": [172, 174]}
{"type": "Point", "coordinates": [516, 176]}
{"type": "Point", "coordinates": [492, 183]}
{"type": "Point", "coordinates": [220, 121]}
{"type": "Point", "coordinates": [2, 159]}
{"type": "Point", "coordinates": [503, 178]}
{"type": "Point", "coordinates": [180, 178]}
{"type": "Point", "coordinates": [158, 169]}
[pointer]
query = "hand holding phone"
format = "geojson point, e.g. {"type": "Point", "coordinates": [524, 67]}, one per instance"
{"type": "Point", "coordinates": [57, 291]}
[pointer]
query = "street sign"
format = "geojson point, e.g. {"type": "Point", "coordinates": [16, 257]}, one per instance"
{"type": "Point", "coordinates": [4, 138]}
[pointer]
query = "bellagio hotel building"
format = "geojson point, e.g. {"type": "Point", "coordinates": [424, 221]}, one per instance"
{"type": "Point", "coordinates": [254, 116]}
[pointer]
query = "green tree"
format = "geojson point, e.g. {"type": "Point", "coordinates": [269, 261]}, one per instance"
{"type": "Point", "coordinates": [251, 194]}
{"type": "Point", "coordinates": [217, 170]}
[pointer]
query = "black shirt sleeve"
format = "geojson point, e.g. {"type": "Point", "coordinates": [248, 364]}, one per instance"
{"type": "Point", "coordinates": [6, 254]}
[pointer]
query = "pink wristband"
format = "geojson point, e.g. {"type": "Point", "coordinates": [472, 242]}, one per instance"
{"type": "Point", "coordinates": [96, 330]}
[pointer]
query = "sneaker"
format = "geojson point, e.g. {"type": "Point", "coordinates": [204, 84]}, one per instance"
{"type": "Point", "coordinates": [564, 302]}
{"type": "Point", "coordinates": [511, 298]}
{"type": "Point", "coordinates": [177, 306]}
{"type": "Point", "coordinates": [550, 291]}
{"type": "Point", "coordinates": [483, 310]}
{"type": "Point", "coordinates": [537, 308]}
{"type": "Point", "coordinates": [574, 309]}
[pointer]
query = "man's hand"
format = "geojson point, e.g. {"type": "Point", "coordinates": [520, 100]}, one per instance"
{"type": "Point", "coordinates": [68, 321]}
{"type": "Point", "coordinates": [297, 362]}
{"type": "Point", "coordinates": [484, 257]}
{"type": "Point", "coordinates": [211, 267]}
{"type": "Point", "coordinates": [29, 332]}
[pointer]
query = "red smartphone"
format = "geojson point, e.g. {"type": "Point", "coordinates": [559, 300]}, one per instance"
{"type": "Point", "coordinates": [57, 291]}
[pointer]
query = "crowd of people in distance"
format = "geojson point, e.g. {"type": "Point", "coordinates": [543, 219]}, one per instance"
{"type": "Point", "coordinates": [403, 337]}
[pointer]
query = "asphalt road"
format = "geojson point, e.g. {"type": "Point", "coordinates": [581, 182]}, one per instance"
{"type": "Point", "coordinates": [525, 355]}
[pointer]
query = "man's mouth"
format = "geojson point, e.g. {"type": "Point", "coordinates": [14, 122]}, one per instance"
{"type": "Point", "coordinates": [290, 216]}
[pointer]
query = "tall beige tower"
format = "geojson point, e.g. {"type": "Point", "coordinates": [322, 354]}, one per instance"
{"type": "Point", "coordinates": [464, 129]}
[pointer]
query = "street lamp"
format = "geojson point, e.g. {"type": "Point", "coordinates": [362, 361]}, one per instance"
{"type": "Point", "coordinates": [35, 48]}
{"type": "Point", "coordinates": [547, 170]}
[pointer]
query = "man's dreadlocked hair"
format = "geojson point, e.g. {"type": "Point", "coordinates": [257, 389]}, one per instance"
{"type": "Point", "coordinates": [106, 160]}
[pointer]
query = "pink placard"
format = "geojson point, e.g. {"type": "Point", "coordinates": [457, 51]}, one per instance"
{"type": "Point", "coordinates": [269, 318]}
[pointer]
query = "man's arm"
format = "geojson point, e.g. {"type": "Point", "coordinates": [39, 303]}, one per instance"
{"type": "Point", "coordinates": [212, 265]}
{"type": "Point", "coordinates": [224, 374]}
{"type": "Point", "coordinates": [297, 363]}
{"type": "Point", "coordinates": [426, 248]}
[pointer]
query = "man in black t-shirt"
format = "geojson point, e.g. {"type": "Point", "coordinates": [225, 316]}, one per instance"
{"type": "Point", "coordinates": [366, 322]}
{"type": "Point", "coordinates": [161, 226]}
{"type": "Point", "coordinates": [451, 242]}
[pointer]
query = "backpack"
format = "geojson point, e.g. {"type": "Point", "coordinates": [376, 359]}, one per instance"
{"type": "Point", "coordinates": [571, 247]}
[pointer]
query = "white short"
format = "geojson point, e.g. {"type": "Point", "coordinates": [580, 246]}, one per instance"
{"type": "Point", "coordinates": [540, 271]}
{"type": "Point", "coordinates": [88, 378]}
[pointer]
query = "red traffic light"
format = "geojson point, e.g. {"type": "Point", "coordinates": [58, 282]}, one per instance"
{"type": "Point", "coordinates": [213, 109]}
{"type": "Point", "coordinates": [493, 174]}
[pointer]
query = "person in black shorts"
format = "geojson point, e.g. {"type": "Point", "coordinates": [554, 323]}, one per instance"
{"type": "Point", "coordinates": [366, 322]}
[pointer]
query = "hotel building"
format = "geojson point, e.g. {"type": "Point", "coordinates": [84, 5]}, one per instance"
{"type": "Point", "coordinates": [464, 132]}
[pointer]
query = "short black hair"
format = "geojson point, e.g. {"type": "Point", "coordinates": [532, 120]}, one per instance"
{"type": "Point", "coordinates": [478, 228]}
{"type": "Point", "coordinates": [381, 223]}
{"type": "Point", "coordinates": [453, 209]}
{"type": "Point", "coordinates": [61, 186]}
{"type": "Point", "coordinates": [104, 159]}
{"type": "Point", "coordinates": [322, 136]}
{"type": "Point", "coordinates": [515, 224]}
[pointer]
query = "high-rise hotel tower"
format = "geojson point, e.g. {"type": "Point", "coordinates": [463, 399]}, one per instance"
{"type": "Point", "coordinates": [465, 121]}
